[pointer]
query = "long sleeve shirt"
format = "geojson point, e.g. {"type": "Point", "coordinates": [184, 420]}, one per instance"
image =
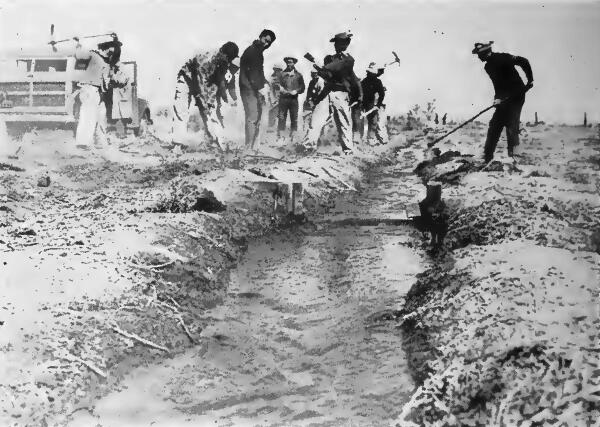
{"type": "Point", "coordinates": [505, 77]}
{"type": "Point", "coordinates": [290, 81]}
{"type": "Point", "coordinates": [252, 73]}
{"type": "Point", "coordinates": [371, 86]}
{"type": "Point", "coordinates": [205, 74]}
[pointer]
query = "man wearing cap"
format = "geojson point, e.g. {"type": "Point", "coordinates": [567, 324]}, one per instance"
{"type": "Point", "coordinates": [292, 84]}
{"type": "Point", "coordinates": [315, 86]}
{"type": "Point", "coordinates": [203, 79]}
{"type": "Point", "coordinates": [274, 95]}
{"type": "Point", "coordinates": [252, 84]}
{"type": "Point", "coordinates": [373, 95]}
{"type": "Point", "coordinates": [509, 95]}
{"type": "Point", "coordinates": [342, 88]}
{"type": "Point", "coordinates": [92, 85]}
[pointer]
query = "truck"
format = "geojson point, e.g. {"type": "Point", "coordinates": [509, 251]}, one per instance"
{"type": "Point", "coordinates": [40, 90]}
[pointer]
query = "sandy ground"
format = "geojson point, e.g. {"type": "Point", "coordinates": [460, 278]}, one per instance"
{"type": "Point", "coordinates": [113, 247]}
{"type": "Point", "coordinates": [503, 330]}
{"type": "Point", "coordinates": [500, 330]}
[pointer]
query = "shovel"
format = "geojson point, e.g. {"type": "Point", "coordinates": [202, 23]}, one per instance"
{"type": "Point", "coordinates": [431, 144]}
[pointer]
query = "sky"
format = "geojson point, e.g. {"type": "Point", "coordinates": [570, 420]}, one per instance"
{"type": "Point", "coordinates": [433, 39]}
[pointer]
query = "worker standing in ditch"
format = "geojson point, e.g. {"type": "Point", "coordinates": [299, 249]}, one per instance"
{"type": "Point", "coordinates": [203, 79]}
{"type": "Point", "coordinates": [92, 86]}
{"type": "Point", "coordinates": [253, 92]}
{"type": "Point", "coordinates": [341, 92]}
{"type": "Point", "coordinates": [291, 85]}
{"type": "Point", "coordinates": [509, 95]}
{"type": "Point", "coordinates": [373, 95]}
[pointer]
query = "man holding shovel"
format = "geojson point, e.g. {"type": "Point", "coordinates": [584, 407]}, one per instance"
{"type": "Point", "coordinates": [509, 95]}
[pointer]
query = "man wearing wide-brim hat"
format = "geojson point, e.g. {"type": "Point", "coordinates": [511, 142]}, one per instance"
{"type": "Point", "coordinates": [342, 88]}
{"type": "Point", "coordinates": [292, 84]}
{"type": "Point", "coordinates": [373, 95]}
{"type": "Point", "coordinates": [509, 95]}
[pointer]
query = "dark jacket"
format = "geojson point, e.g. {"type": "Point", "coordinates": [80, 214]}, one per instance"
{"type": "Point", "coordinates": [501, 69]}
{"type": "Point", "coordinates": [371, 86]}
{"type": "Point", "coordinates": [312, 94]}
{"type": "Point", "coordinates": [252, 74]}
{"type": "Point", "coordinates": [291, 80]}
{"type": "Point", "coordinates": [338, 73]}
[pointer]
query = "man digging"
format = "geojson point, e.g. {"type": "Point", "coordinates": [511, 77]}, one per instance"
{"type": "Point", "coordinates": [509, 95]}
{"type": "Point", "coordinates": [342, 88]}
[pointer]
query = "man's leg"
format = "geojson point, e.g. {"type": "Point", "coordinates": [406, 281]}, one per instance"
{"type": "Point", "coordinates": [282, 115]}
{"type": "Point", "coordinates": [342, 116]}
{"type": "Point", "coordinates": [181, 114]}
{"type": "Point", "coordinates": [293, 116]}
{"type": "Point", "coordinates": [513, 123]}
{"type": "Point", "coordinates": [494, 130]}
{"type": "Point", "coordinates": [250, 103]}
{"type": "Point", "coordinates": [88, 115]}
{"type": "Point", "coordinates": [319, 118]}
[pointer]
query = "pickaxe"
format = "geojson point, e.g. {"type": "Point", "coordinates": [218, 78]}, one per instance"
{"type": "Point", "coordinates": [53, 43]}
{"type": "Point", "coordinates": [396, 59]}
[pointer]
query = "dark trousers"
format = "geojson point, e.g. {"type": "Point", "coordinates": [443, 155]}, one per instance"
{"type": "Point", "coordinates": [253, 106]}
{"type": "Point", "coordinates": [507, 115]}
{"type": "Point", "coordinates": [288, 104]}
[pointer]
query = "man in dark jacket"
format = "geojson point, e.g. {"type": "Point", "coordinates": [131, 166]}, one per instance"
{"type": "Point", "coordinates": [312, 92]}
{"type": "Point", "coordinates": [252, 84]}
{"type": "Point", "coordinates": [509, 95]}
{"type": "Point", "coordinates": [342, 88]}
{"type": "Point", "coordinates": [373, 88]}
{"type": "Point", "coordinates": [291, 84]}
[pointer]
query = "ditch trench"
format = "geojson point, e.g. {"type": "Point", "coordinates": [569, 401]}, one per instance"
{"type": "Point", "coordinates": [292, 343]}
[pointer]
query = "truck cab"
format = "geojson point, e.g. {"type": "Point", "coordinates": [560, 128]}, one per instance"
{"type": "Point", "coordinates": [43, 89]}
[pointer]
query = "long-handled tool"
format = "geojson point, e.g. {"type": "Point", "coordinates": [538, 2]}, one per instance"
{"type": "Point", "coordinates": [53, 43]}
{"type": "Point", "coordinates": [432, 143]}
{"type": "Point", "coordinates": [396, 60]}
{"type": "Point", "coordinates": [367, 113]}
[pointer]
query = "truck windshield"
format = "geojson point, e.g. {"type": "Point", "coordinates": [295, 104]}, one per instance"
{"type": "Point", "coordinates": [50, 65]}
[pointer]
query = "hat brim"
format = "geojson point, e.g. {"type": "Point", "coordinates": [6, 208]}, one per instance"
{"type": "Point", "coordinates": [289, 58]}
{"type": "Point", "coordinates": [481, 49]}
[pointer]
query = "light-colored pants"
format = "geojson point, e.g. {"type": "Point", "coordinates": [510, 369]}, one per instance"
{"type": "Point", "coordinates": [336, 107]}
{"type": "Point", "coordinates": [91, 116]}
{"type": "Point", "coordinates": [181, 106]}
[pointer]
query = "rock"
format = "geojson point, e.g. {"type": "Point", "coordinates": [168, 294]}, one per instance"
{"type": "Point", "coordinates": [44, 181]}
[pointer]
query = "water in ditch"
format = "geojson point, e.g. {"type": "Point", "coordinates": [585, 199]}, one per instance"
{"type": "Point", "coordinates": [291, 344]}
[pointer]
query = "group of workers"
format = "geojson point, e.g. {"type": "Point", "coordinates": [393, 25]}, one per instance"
{"type": "Point", "coordinates": [334, 93]}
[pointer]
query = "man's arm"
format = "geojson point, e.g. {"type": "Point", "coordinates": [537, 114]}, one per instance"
{"type": "Point", "coordinates": [525, 66]}
{"type": "Point", "coordinates": [380, 92]}
{"type": "Point", "coordinates": [302, 87]}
